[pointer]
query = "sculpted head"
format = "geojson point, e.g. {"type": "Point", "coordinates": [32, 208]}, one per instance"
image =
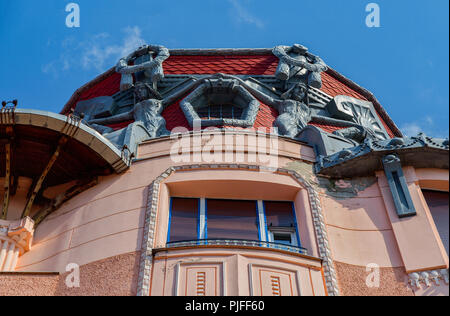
{"type": "Point", "coordinates": [141, 91]}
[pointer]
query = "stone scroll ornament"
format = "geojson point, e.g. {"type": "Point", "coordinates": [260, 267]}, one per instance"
{"type": "Point", "coordinates": [153, 68]}
{"type": "Point", "coordinates": [296, 58]}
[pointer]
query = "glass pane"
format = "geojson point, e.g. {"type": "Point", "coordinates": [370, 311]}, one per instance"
{"type": "Point", "coordinates": [218, 111]}
{"type": "Point", "coordinates": [183, 221]}
{"type": "Point", "coordinates": [237, 112]}
{"type": "Point", "coordinates": [227, 111]}
{"type": "Point", "coordinates": [282, 238]}
{"type": "Point", "coordinates": [228, 219]}
{"type": "Point", "coordinates": [439, 208]}
{"type": "Point", "coordinates": [279, 214]}
{"type": "Point", "coordinates": [203, 112]}
{"type": "Point", "coordinates": [215, 111]}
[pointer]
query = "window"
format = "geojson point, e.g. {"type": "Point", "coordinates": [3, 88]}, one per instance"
{"type": "Point", "coordinates": [217, 219]}
{"type": "Point", "coordinates": [219, 102]}
{"type": "Point", "coordinates": [231, 219]}
{"type": "Point", "coordinates": [183, 219]}
{"type": "Point", "coordinates": [282, 226]}
{"type": "Point", "coordinates": [438, 203]}
{"type": "Point", "coordinates": [220, 111]}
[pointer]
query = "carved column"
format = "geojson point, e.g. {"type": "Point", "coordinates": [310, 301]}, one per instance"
{"type": "Point", "coordinates": [15, 240]}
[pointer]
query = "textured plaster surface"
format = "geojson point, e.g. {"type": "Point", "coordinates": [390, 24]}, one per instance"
{"type": "Point", "coordinates": [114, 276]}
{"type": "Point", "coordinates": [352, 281]}
{"type": "Point", "coordinates": [28, 284]}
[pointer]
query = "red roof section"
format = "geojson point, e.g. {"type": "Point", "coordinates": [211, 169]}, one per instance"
{"type": "Point", "coordinates": [334, 87]}
{"type": "Point", "coordinates": [326, 127]}
{"type": "Point", "coordinates": [106, 87]}
{"type": "Point", "coordinates": [229, 64]}
{"type": "Point", "coordinates": [108, 84]}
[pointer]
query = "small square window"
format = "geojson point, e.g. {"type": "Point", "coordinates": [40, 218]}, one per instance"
{"type": "Point", "coordinates": [283, 235]}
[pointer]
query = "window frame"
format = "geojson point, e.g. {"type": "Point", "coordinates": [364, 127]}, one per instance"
{"type": "Point", "coordinates": [265, 233]}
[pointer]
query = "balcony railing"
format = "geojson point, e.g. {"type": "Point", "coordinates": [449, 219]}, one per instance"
{"type": "Point", "coordinates": [236, 242]}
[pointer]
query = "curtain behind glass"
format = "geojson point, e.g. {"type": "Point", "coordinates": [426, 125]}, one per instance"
{"type": "Point", "coordinates": [227, 219]}
{"type": "Point", "coordinates": [279, 214]}
{"type": "Point", "coordinates": [183, 222]}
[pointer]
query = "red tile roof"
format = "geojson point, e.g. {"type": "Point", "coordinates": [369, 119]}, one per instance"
{"type": "Point", "coordinates": [229, 64]}
{"type": "Point", "coordinates": [334, 87]}
{"type": "Point", "coordinates": [326, 127]}
{"type": "Point", "coordinates": [108, 84]}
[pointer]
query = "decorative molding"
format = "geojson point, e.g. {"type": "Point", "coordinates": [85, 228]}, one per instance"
{"type": "Point", "coordinates": [146, 260]}
{"type": "Point", "coordinates": [404, 205]}
{"type": "Point", "coordinates": [359, 112]}
{"type": "Point", "coordinates": [428, 278]}
{"type": "Point", "coordinates": [201, 283]}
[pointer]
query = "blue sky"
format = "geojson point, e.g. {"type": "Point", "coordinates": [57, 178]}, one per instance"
{"type": "Point", "coordinates": [404, 62]}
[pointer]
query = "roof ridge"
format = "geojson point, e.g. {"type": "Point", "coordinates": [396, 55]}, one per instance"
{"type": "Point", "coordinates": [221, 51]}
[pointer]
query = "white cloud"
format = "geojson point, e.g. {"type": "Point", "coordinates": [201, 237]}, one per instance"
{"type": "Point", "coordinates": [96, 53]}
{"type": "Point", "coordinates": [426, 126]}
{"type": "Point", "coordinates": [243, 15]}
{"type": "Point", "coordinates": [428, 120]}
{"type": "Point", "coordinates": [99, 52]}
{"type": "Point", "coordinates": [411, 129]}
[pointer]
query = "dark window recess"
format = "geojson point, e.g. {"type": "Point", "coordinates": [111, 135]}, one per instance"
{"type": "Point", "coordinates": [220, 111]}
{"type": "Point", "coordinates": [229, 219]}
{"type": "Point", "coordinates": [183, 219]}
{"type": "Point", "coordinates": [282, 238]}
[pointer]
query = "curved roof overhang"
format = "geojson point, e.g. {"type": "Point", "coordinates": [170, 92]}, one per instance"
{"type": "Point", "coordinates": [34, 136]}
{"type": "Point", "coordinates": [420, 152]}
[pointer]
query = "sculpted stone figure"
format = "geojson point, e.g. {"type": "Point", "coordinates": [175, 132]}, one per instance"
{"type": "Point", "coordinates": [296, 58]}
{"type": "Point", "coordinates": [153, 68]}
{"type": "Point", "coordinates": [147, 111]}
{"type": "Point", "coordinates": [294, 113]}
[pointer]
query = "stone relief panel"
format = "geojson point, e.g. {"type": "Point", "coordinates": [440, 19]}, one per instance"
{"type": "Point", "coordinates": [199, 279]}
{"type": "Point", "coordinates": [271, 281]}
{"type": "Point", "coordinates": [359, 112]}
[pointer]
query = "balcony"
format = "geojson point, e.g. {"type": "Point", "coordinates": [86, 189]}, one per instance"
{"type": "Point", "coordinates": [236, 267]}
{"type": "Point", "coordinates": [237, 243]}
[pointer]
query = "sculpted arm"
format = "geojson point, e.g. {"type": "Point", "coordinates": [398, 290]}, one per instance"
{"type": "Point", "coordinates": [114, 119]}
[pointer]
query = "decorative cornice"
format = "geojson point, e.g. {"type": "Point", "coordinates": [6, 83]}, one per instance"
{"type": "Point", "coordinates": [367, 155]}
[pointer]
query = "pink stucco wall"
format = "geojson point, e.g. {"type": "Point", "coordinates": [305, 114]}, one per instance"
{"type": "Point", "coordinates": [107, 221]}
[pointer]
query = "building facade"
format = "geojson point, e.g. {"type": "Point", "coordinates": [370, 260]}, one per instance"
{"type": "Point", "coordinates": [221, 172]}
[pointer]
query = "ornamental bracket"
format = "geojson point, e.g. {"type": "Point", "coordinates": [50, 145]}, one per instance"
{"type": "Point", "coordinates": [398, 186]}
